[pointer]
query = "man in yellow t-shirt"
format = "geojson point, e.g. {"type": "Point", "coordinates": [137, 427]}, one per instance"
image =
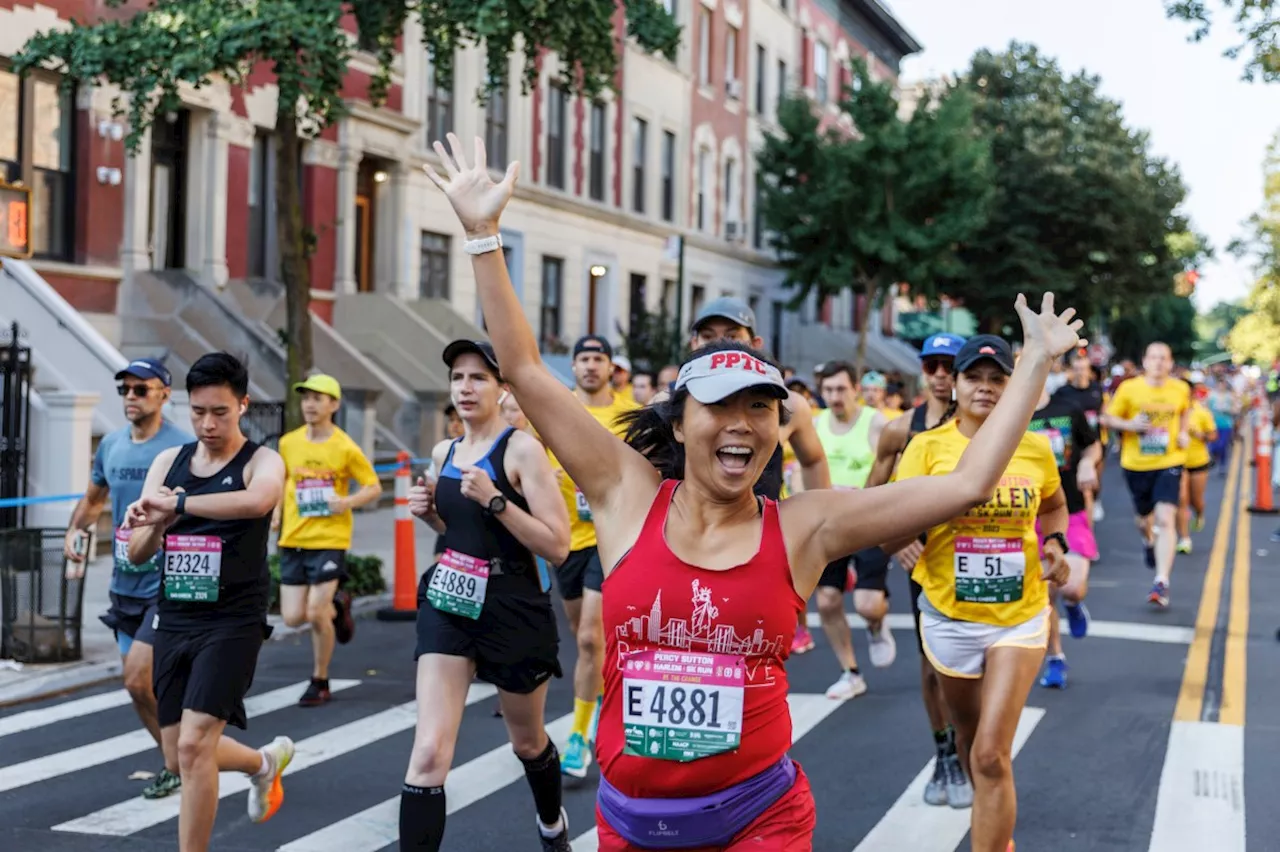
{"type": "Point", "coordinates": [1152, 413]}
{"type": "Point", "coordinates": [581, 576]}
{"type": "Point", "coordinates": [315, 525]}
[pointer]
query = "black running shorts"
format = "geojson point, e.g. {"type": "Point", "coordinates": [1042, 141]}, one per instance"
{"type": "Point", "coordinates": [515, 642]}
{"type": "Point", "coordinates": [571, 575]}
{"type": "Point", "coordinates": [206, 671]}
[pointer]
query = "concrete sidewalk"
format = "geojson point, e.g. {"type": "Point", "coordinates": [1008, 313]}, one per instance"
{"type": "Point", "coordinates": [374, 536]}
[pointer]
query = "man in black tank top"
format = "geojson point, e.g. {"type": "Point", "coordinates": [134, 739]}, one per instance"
{"type": "Point", "coordinates": [208, 506]}
{"type": "Point", "coordinates": [937, 360]}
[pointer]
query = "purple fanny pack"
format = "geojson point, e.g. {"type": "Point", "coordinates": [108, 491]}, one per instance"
{"type": "Point", "coordinates": [702, 821]}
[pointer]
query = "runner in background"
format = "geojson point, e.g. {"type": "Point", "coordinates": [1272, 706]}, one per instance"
{"type": "Point", "coordinates": [948, 785]}
{"type": "Point", "coordinates": [483, 611]}
{"type": "Point", "coordinates": [209, 505]}
{"type": "Point", "coordinates": [315, 522]}
{"type": "Point", "coordinates": [1203, 432]}
{"type": "Point", "coordinates": [1153, 415]}
{"type": "Point", "coordinates": [453, 427]}
{"type": "Point", "coordinates": [1225, 406]}
{"type": "Point", "coordinates": [119, 470]}
{"type": "Point", "coordinates": [513, 414]}
{"type": "Point", "coordinates": [894, 401]}
{"type": "Point", "coordinates": [1077, 451]}
{"type": "Point", "coordinates": [699, 566]}
{"type": "Point", "coordinates": [580, 576]}
{"type": "Point", "coordinates": [873, 387]}
{"type": "Point", "coordinates": [643, 384]}
{"type": "Point", "coordinates": [666, 378]}
{"type": "Point", "coordinates": [621, 378]}
{"type": "Point", "coordinates": [1086, 393]}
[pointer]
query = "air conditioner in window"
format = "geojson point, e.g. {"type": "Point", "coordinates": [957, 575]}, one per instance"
{"type": "Point", "coordinates": [734, 232]}
{"type": "Point", "coordinates": [733, 88]}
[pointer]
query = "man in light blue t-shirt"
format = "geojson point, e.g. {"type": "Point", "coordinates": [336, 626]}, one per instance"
{"type": "Point", "coordinates": [119, 471]}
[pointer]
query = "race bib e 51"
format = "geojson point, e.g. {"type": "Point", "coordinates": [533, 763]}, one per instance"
{"type": "Point", "coordinates": [989, 570]}
{"type": "Point", "coordinates": [682, 706]}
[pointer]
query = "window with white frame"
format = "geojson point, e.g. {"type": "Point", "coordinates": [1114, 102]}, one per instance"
{"type": "Point", "coordinates": [639, 154]}
{"type": "Point", "coordinates": [433, 269]}
{"type": "Point", "coordinates": [597, 133]}
{"type": "Point", "coordinates": [552, 293]}
{"type": "Point", "coordinates": [668, 176]}
{"type": "Point", "coordinates": [702, 188]}
{"type": "Point", "coordinates": [821, 72]}
{"type": "Point", "coordinates": [439, 105]}
{"type": "Point", "coordinates": [704, 46]}
{"type": "Point", "coordinates": [557, 107]}
{"type": "Point", "coordinates": [762, 69]}
{"type": "Point", "coordinates": [731, 224]}
{"type": "Point", "coordinates": [731, 84]}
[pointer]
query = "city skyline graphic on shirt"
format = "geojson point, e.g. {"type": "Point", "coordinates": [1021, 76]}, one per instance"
{"type": "Point", "coordinates": [699, 633]}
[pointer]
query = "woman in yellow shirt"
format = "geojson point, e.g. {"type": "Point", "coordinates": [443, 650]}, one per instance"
{"type": "Point", "coordinates": [984, 609]}
{"type": "Point", "coordinates": [1203, 432]}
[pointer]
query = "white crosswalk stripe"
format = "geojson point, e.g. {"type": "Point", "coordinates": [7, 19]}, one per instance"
{"type": "Point", "coordinates": [32, 719]}
{"type": "Point", "coordinates": [136, 742]}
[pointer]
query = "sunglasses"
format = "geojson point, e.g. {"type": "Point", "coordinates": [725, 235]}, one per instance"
{"type": "Point", "coordinates": [139, 391]}
{"type": "Point", "coordinates": [934, 365]}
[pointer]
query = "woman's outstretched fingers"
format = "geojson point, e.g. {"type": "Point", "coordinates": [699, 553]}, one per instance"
{"type": "Point", "coordinates": [513, 174]}
{"type": "Point", "coordinates": [1067, 315]}
{"type": "Point", "coordinates": [432, 176]}
{"type": "Point", "coordinates": [479, 154]}
{"type": "Point", "coordinates": [450, 169]}
{"type": "Point", "coordinates": [455, 148]}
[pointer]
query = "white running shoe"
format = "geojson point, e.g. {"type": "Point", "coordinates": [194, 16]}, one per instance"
{"type": "Point", "coordinates": [849, 685]}
{"type": "Point", "coordinates": [1099, 513]}
{"type": "Point", "coordinates": [882, 647]}
{"type": "Point", "coordinates": [267, 793]}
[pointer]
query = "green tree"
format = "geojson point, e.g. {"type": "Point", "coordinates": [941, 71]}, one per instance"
{"type": "Point", "coordinates": [1256, 335]}
{"type": "Point", "coordinates": [881, 201]}
{"type": "Point", "coordinates": [168, 43]}
{"type": "Point", "coordinates": [1082, 207]}
{"type": "Point", "coordinates": [656, 340]}
{"type": "Point", "coordinates": [1257, 22]}
{"type": "Point", "coordinates": [1168, 318]}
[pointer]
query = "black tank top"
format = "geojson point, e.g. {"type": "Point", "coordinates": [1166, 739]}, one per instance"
{"type": "Point", "coordinates": [770, 482]}
{"type": "Point", "coordinates": [919, 421]}
{"type": "Point", "coordinates": [469, 530]}
{"type": "Point", "coordinates": [245, 582]}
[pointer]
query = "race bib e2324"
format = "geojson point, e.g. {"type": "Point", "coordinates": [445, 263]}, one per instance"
{"type": "Point", "coordinates": [192, 567]}
{"type": "Point", "coordinates": [682, 706]}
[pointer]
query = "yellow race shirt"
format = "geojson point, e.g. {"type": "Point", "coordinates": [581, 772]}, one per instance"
{"type": "Point", "coordinates": [1157, 448]}
{"type": "Point", "coordinates": [1202, 423]}
{"type": "Point", "coordinates": [984, 566]}
{"type": "Point", "coordinates": [314, 473]}
{"type": "Point", "coordinates": [582, 530]}
{"type": "Point", "coordinates": [891, 413]}
{"type": "Point", "coordinates": [790, 472]}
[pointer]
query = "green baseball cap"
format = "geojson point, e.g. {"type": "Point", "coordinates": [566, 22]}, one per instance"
{"type": "Point", "coordinates": [320, 383]}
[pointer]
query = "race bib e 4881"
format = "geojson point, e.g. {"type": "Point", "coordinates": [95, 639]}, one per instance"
{"type": "Point", "coordinates": [682, 706]}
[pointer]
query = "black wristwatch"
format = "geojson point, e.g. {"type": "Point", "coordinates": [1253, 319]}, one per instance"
{"type": "Point", "coordinates": [497, 505]}
{"type": "Point", "coordinates": [1060, 539]}
{"type": "Point", "coordinates": [181, 507]}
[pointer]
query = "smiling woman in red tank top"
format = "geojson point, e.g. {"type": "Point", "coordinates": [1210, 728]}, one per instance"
{"type": "Point", "coordinates": [704, 580]}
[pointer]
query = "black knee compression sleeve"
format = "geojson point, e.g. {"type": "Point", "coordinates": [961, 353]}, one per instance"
{"type": "Point", "coordinates": [422, 812]}
{"type": "Point", "coordinates": [543, 773]}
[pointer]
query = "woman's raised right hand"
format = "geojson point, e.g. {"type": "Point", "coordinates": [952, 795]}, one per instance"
{"type": "Point", "coordinates": [1055, 334]}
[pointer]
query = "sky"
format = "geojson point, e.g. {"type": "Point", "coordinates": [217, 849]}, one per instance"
{"type": "Point", "coordinates": [1191, 99]}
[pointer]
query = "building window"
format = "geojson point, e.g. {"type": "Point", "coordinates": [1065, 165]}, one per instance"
{"type": "Point", "coordinates": [636, 304]}
{"type": "Point", "coordinates": [821, 84]}
{"type": "Point", "coordinates": [260, 193]}
{"type": "Point", "coordinates": [668, 176]}
{"type": "Point", "coordinates": [757, 238]}
{"type": "Point", "coordinates": [731, 224]}
{"type": "Point", "coordinates": [640, 138]}
{"type": "Point", "coordinates": [552, 291]}
{"type": "Point", "coordinates": [439, 107]}
{"type": "Point", "coordinates": [704, 46]}
{"type": "Point", "coordinates": [670, 7]}
{"type": "Point", "coordinates": [731, 85]}
{"type": "Point", "coordinates": [762, 68]}
{"type": "Point", "coordinates": [495, 128]}
{"type": "Point", "coordinates": [433, 268]}
{"type": "Point", "coordinates": [702, 189]}
{"type": "Point", "coordinates": [697, 295]}
{"type": "Point", "coordinates": [597, 151]}
{"type": "Point", "coordinates": [775, 330]}
{"type": "Point", "coordinates": [670, 295]}
{"type": "Point", "coordinates": [782, 85]}
{"type": "Point", "coordinates": [36, 132]}
{"type": "Point", "coordinates": [557, 106]}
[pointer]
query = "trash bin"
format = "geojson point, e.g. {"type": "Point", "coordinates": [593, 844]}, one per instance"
{"type": "Point", "coordinates": [40, 609]}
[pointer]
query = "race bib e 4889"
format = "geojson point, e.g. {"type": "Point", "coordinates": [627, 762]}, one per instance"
{"type": "Point", "coordinates": [458, 584]}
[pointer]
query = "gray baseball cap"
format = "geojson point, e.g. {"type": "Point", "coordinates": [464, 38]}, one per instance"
{"type": "Point", "coordinates": [729, 308]}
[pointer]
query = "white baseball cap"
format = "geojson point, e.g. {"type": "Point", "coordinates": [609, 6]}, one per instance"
{"type": "Point", "coordinates": [622, 362]}
{"type": "Point", "coordinates": [719, 375]}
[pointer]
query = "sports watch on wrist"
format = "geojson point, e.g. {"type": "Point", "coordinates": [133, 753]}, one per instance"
{"type": "Point", "coordinates": [1060, 539]}
{"type": "Point", "coordinates": [483, 245]}
{"type": "Point", "coordinates": [497, 505]}
{"type": "Point", "coordinates": [181, 507]}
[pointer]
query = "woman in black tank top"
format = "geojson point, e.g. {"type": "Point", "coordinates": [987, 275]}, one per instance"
{"type": "Point", "coordinates": [483, 608]}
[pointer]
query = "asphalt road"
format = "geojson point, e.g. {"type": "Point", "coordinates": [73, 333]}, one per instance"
{"type": "Point", "coordinates": [1144, 750]}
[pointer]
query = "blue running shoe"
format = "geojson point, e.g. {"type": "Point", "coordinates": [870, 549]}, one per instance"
{"type": "Point", "coordinates": [576, 757]}
{"type": "Point", "coordinates": [1159, 595]}
{"type": "Point", "coordinates": [1055, 674]}
{"type": "Point", "coordinates": [1078, 617]}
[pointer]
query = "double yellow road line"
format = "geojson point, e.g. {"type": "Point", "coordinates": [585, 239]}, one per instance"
{"type": "Point", "coordinates": [1191, 705]}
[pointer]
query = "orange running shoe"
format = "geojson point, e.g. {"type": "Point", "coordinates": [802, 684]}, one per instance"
{"type": "Point", "coordinates": [266, 794]}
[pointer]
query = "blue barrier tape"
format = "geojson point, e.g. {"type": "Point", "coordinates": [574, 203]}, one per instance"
{"type": "Point", "coordinates": [15, 502]}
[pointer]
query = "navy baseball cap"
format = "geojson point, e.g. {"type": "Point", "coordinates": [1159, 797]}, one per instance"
{"type": "Point", "coordinates": [593, 343]}
{"type": "Point", "coordinates": [473, 347]}
{"type": "Point", "coordinates": [946, 345]}
{"type": "Point", "coordinates": [726, 307]}
{"type": "Point", "coordinates": [985, 347]}
{"type": "Point", "coordinates": [147, 368]}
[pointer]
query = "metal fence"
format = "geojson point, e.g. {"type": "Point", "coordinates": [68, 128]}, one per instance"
{"type": "Point", "coordinates": [263, 423]}
{"type": "Point", "coordinates": [15, 417]}
{"type": "Point", "coordinates": [40, 608]}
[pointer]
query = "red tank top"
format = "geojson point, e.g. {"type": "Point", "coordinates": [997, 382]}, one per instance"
{"type": "Point", "coordinates": [684, 645]}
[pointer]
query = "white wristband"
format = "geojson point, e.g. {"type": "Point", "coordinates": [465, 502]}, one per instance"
{"type": "Point", "coordinates": [483, 246]}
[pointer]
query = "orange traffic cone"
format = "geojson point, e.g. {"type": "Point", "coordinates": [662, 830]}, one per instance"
{"type": "Point", "coordinates": [404, 604]}
{"type": "Point", "coordinates": [1262, 502]}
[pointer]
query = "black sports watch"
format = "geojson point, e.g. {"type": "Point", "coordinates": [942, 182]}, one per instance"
{"type": "Point", "coordinates": [497, 505]}
{"type": "Point", "coordinates": [1060, 539]}
{"type": "Point", "coordinates": [181, 507]}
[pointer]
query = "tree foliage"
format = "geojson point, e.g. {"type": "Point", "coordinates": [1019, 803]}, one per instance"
{"type": "Point", "coordinates": [656, 340]}
{"type": "Point", "coordinates": [1257, 22]}
{"type": "Point", "coordinates": [1081, 207]}
{"type": "Point", "coordinates": [167, 44]}
{"type": "Point", "coordinates": [1256, 335]}
{"type": "Point", "coordinates": [1167, 318]}
{"type": "Point", "coordinates": [880, 201]}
